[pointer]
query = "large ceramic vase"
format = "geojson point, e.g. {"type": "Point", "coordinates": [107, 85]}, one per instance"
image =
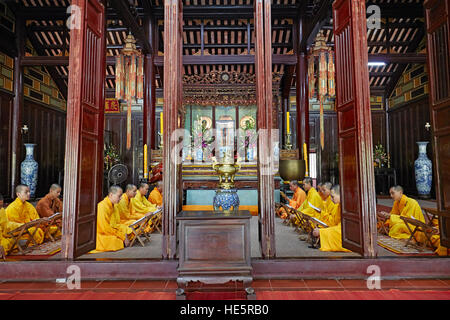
{"type": "Point", "coordinates": [423, 170]}
{"type": "Point", "coordinates": [29, 169]}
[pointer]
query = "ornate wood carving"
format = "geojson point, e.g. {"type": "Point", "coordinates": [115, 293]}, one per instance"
{"type": "Point", "coordinates": [354, 128]}
{"type": "Point", "coordinates": [84, 138]}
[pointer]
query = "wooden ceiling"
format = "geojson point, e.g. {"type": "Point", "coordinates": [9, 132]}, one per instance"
{"type": "Point", "coordinates": [214, 28]}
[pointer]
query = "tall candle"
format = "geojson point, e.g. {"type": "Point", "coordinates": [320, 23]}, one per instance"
{"type": "Point", "coordinates": [162, 122]}
{"type": "Point", "coordinates": [305, 156]}
{"type": "Point", "coordinates": [287, 123]}
{"type": "Point", "coordinates": [145, 162]}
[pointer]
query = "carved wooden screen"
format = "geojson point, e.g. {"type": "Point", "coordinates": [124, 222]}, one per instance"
{"type": "Point", "coordinates": [354, 127]}
{"type": "Point", "coordinates": [85, 122]}
{"type": "Point", "coordinates": [438, 25]}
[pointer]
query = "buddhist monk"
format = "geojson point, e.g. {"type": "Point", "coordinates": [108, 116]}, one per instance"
{"type": "Point", "coordinates": [406, 207]}
{"type": "Point", "coordinates": [140, 204]}
{"type": "Point", "coordinates": [50, 204]}
{"type": "Point", "coordinates": [109, 238]}
{"type": "Point", "coordinates": [297, 199]}
{"type": "Point", "coordinates": [331, 238]}
{"type": "Point", "coordinates": [313, 205]}
{"type": "Point", "coordinates": [21, 211]}
{"type": "Point", "coordinates": [126, 214]}
{"type": "Point", "coordinates": [327, 214]}
{"type": "Point", "coordinates": [155, 196]}
{"type": "Point", "coordinates": [6, 226]}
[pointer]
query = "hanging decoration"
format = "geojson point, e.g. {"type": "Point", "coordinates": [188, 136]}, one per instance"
{"type": "Point", "coordinates": [322, 55]}
{"type": "Point", "coordinates": [129, 78]}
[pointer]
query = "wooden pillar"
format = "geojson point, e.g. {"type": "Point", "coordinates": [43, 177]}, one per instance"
{"type": "Point", "coordinates": [302, 95]}
{"type": "Point", "coordinates": [437, 14]}
{"type": "Point", "coordinates": [17, 110]}
{"type": "Point", "coordinates": [83, 170]}
{"type": "Point", "coordinates": [263, 70]}
{"type": "Point", "coordinates": [358, 202]}
{"type": "Point", "coordinates": [173, 26]}
{"type": "Point", "coordinates": [149, 89]}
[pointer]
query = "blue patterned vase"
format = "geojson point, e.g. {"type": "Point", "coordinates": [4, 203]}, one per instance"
{"type": "Point", "coordinates": [29, 169]}
{"type": "Point", "coordinates": [226, 199]}
{"type": "Point", "coordinates": [423, 170]}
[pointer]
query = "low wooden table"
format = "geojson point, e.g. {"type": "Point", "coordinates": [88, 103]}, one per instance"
{"type": "Point", "coordinates": [214, 248]}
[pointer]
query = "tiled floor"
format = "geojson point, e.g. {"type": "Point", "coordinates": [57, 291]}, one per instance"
{"type": "Point", "coordinates": [258, 285]}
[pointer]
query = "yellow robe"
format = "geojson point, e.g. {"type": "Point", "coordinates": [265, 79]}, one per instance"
{"type": "Point", "coordinates": [297, 200]}
{"type": "Point", "coordinates": [331, 238]}
{"type": "Point", "coordinates": [109, 238]}
{"type": "Point", "coordinates": [328, 214]}
{"type": "Point", "coordinates": [155, 197]}
{"type": "Point", "coordinates": [23, 212]}
{"type": "Point", "coordinates": [140, 204]}
{"type": "Point", "coordinates": [313, 200]}
{"type": "Point", "coordinates": [127, 216]}
{"type": "Point", "coordinates": [436, 240]}
{"type": "Point", "coordinates": [5, 227]}
{"type": "Point", "coordinates": [406, 207]}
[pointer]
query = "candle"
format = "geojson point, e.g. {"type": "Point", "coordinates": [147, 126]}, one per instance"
{"type": "Point", "coordinates": [305, 156]}
{"type": "Point", "coordinates": [287, 122]}
{"type": "Point", "coordinates": [145, 162]}
{"type": "Point", "coordinates": [162, 122]}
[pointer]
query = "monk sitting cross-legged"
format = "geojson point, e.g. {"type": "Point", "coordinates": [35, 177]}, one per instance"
{"type": "Point", "coordinates": [124, 207]}
{"type": "Point", "coordinates": [328, 213]}
{"type": "Point", "coordinates": [331, 238]}
{"type": "Point", "coordinates": [155, 196]}
{"type": "Point", "coordinates": [50, 204]}
{"type": "Point", "coordinates": [406, 207]}
{"type": "Point", "coordinates": [313, 205]}
{"type": "Point", "coordinates": [21, 211]}
{"type": "Point", "coordinates": [6, 226]}
{"type": "Point", "coordinates": [140, 204]}
{"type": "Point", "coordinates": [296, 201]}
{"type": "Point", "coordinates": [110, 236]}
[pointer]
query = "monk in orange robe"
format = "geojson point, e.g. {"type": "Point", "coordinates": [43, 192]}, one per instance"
{"type": "Point", "coordinates": [155, 196]}
{"type": "Point", "coordinates": [50, 204]}
{"type": "Point", "coordinates": [296, 201]}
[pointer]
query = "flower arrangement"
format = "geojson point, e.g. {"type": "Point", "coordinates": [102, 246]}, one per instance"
{"type": "Point", "coordinates": [111, 156]}
{"type": "Point", "coordinates": [380, 157]}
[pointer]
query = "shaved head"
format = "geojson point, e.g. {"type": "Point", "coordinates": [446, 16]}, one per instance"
{"type": "Point", "coordinates": [397, 188]}
{"type": "Point", "coordinates": [21, 187]}
{"type": "Point", "coordinates": [115, 190]}
{"type": "Point", "coordinates": [327, 185]}
{"type": "Point", "coordinates": [55, 186]}
{"type": "Point", "coordinates": [130, 187]}
{"type": "Point", "coordinates": [23, 192]}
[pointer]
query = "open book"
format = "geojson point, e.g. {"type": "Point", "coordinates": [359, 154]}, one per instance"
{"type": "Point", "coordinates": [318, 222]}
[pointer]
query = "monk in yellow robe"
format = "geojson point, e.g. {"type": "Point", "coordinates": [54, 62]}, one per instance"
{"type": "Point", "coordinates": [21, 211]}
{"type": "Point", "coordinates": [140, 204]}
{"type": "Point", "coordinates": [6, 226]}
{"type": "Point", "coordinates": [331, 237]}
{"type": "Point", "coordinates": [110, 237]}
{"type": "Point", "coordinates": [124, 208]}
{"type": "Point", "coordinates": [327, 215]}
{"type": "Point", "coordinates": [297, 199]}
{"type": "Point", "coordinates": [406, 207]}
{"type": "Point", "coordinates": [313, 205]}
{"type": "Point", "coordinates": [155, 196]}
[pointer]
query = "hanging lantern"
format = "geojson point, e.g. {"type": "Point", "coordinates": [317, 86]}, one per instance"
{"type": "Point", "coordinates": [129, 78]}
{"type": "Point", "coordinates": [323, 56]}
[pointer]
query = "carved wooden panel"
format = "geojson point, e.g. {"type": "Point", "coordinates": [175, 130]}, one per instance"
{"type": "Point", "coordinates": [84, 140]}
{"type": "Point", "coordinates": [438, 25]}
{"type": "Point", "coordinates": [354, 128]}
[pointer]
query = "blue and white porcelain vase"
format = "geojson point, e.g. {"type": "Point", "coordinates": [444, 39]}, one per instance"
{"type": "Point", "coordinates": [226, 199]}
{"type": "Point", "coordinates": [29, 169]}
{"type": "Point", "coordinates": [423, 170]}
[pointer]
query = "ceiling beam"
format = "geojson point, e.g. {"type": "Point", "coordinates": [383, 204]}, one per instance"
{"type": "Point", "coordinates": [398, 57]}
{"type": "Point", "coordinates": [314, 25]}
{"type": "Point", "coordinates": [130, 20]}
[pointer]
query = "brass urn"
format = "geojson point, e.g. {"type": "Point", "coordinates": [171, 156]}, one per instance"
{"type": "Point", "coordinates": [226, 172]}
{"type": "Point", "coordinates": [292, 169]}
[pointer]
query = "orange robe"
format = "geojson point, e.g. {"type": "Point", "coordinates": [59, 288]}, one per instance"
{"type": "Point", "coordinates": [47, 207]}
{"type": "Point", "coordinates": [156, 197]}
{"type": "Point", "coordinates": [296, 201]}
{"type": "Point", "coordinates": [331, 238]}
